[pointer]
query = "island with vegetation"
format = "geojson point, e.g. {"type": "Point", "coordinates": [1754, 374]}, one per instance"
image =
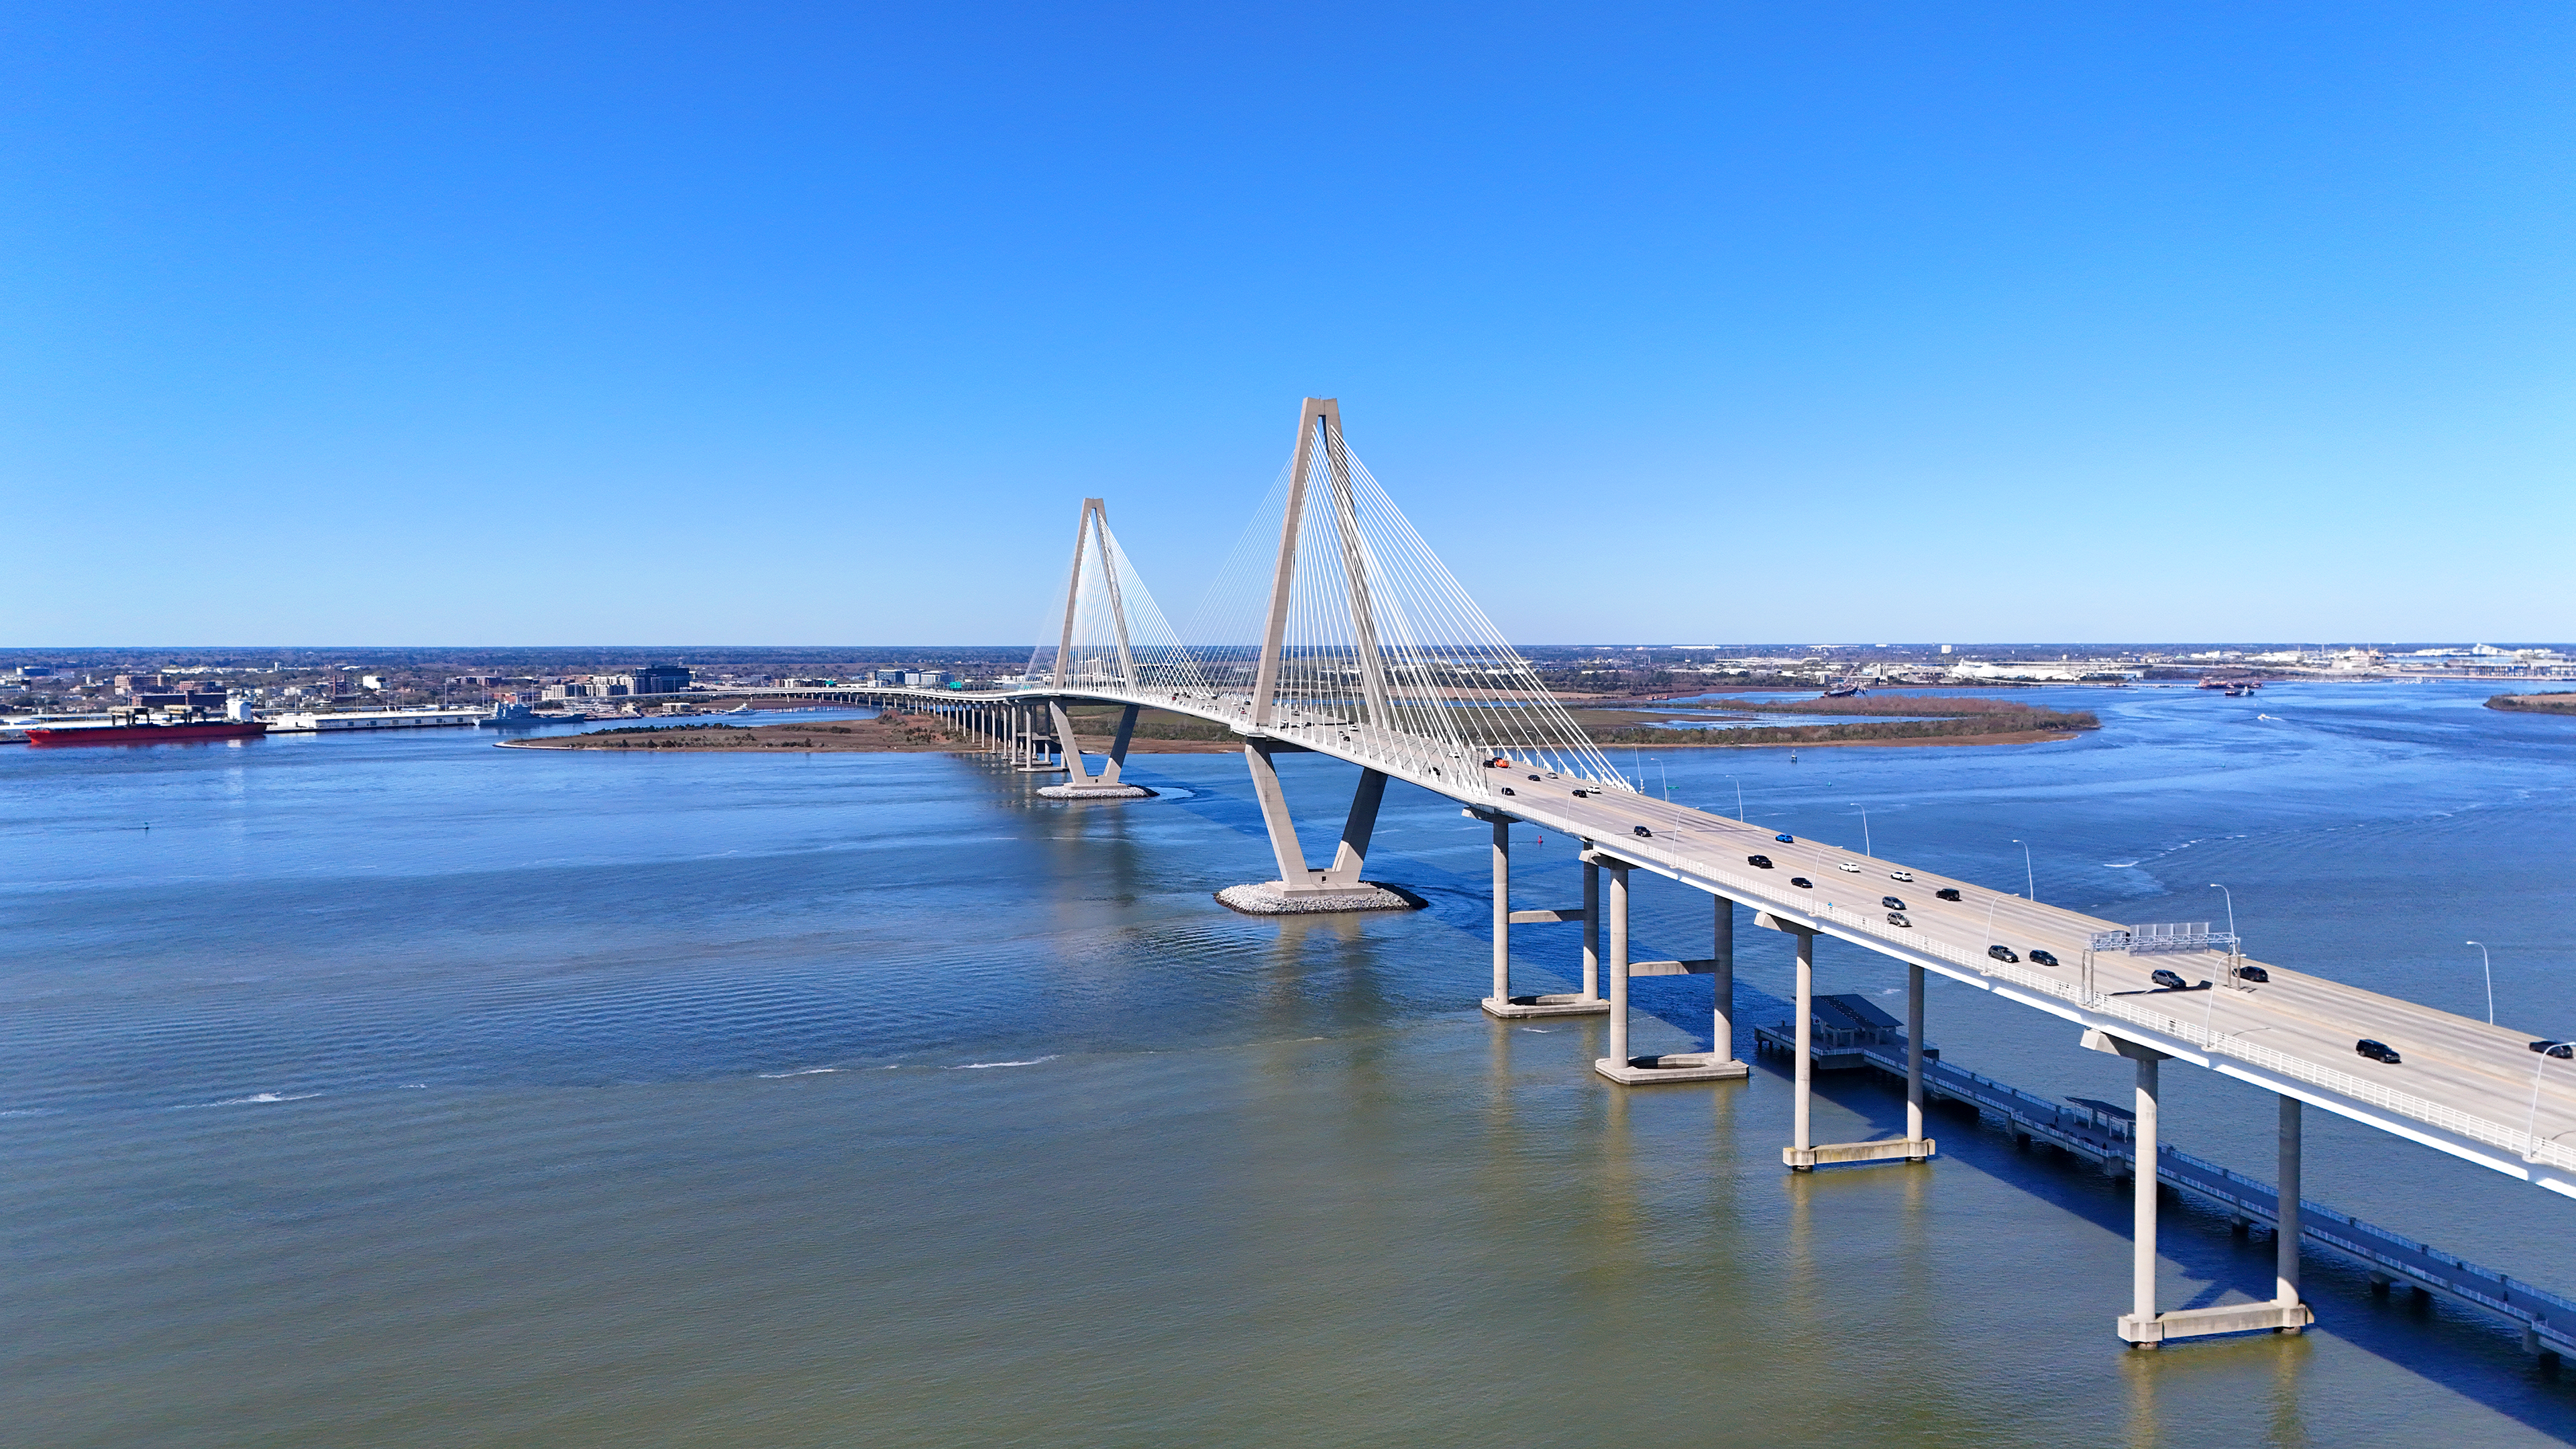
{"type": "Point", "coordinates": [1930, 721]}
{"type": "Point", "coordinates": [2557, 702]}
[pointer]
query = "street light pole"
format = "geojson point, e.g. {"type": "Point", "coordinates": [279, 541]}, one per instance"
{"type": "Point", "coordinates": [1864, 829]}
{"type": "Point", "coordinates": [2029, 877]}
{"type": "Point", "coordinates": [1739, 800]}
{"type": "Point", "coordinates": [2231, 906]}
{"type": "Point", "coordinates": [2489, 963]}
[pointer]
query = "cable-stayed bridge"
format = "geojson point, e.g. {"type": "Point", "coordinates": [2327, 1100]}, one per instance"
{"type": "Point", "coordinates": [1346, 637]}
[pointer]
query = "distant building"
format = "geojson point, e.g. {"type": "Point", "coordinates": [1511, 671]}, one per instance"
{"type": "Point", "coordinates": [925, 678]}
{"type": "Point", "coordinates": [371, 681]}
{"type": "Point", "coordinates": [886, 676]}
{"type": "Point", "coordinates": [135, 683]}
{"type": "Point", "coordinates": [658, 679]}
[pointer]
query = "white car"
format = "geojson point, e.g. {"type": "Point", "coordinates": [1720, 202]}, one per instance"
{"type": "Point", "coordinates": [1847, 865]}
{"type": "Point", "coordinates": [1900, 875]}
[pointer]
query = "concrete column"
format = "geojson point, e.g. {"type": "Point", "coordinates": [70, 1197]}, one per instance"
{"type": "Point", "coordinates": [1293, 874]}
{"type": "Point", "coordinates": [1118, 746]}
{"type": "Point", "coordinates": [1721, 1022]}
{"type": "Point", "coordinates": [1619, 965]}
{"type": "Point", "coordinates": [1802, 1137]}
{"type": "Point", "coordinates": [1502, 910]}
{"type": "Point", "coordinates": [1351, 856]}
{"type": "Point", "coordinates": [1914, 1053]}
{"type": "Point", "coordinates": [1591, 931]}
{"type": "Point", "coordinates": [2286, 1251]}
{"type": "Point", "coordinates": [1065, 741]}
{"type": "Point", "coordinates": [2143, 1247]}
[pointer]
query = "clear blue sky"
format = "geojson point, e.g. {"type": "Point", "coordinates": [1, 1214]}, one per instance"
{"type": "Point", "coordinates": [551, 323]}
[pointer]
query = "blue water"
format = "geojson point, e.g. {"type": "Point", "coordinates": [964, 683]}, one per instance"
{"type": "Point", "coordinates": [403, 1090]}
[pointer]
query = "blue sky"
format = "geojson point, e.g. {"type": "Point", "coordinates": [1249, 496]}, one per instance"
{"type": "Point", "coordinates": [553, 323]}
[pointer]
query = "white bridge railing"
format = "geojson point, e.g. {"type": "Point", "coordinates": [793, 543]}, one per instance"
{"type": "Point", "coordinates": [2521, 1143]}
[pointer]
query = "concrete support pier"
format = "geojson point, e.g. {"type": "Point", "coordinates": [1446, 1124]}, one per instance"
{"type": "Point", "coordinates": [2285, 1271]}
{"type": "Point", "coordinates": [2142, 1326]}
{"type": "Point", "coordinates": [1084, 785]}
{"type": "Point", "coordinates": [1715, 1065]}
{"type": "Point", "coordinates": [1301, 889]}
{"type": "Point", "coordinates": [1502, 1003]}
{"type": "Point", "coordinates": [1804, 1153]}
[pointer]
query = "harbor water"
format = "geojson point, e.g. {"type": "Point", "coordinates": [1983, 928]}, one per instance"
{"type": "Point", "coordinates": [398, 1090]}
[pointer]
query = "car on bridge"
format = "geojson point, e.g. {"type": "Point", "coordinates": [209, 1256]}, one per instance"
{"type": "Point", "coordinates": [1948, 893]}
{"type": "Point", "coordinates": [2043, 958]}
{"type": "Point", "coordinates": [2559, 1049]}
{"type": "Point", "coordinates": [1786, 839]}
{"type": "Point", "coordinates": [2003, 953]}
{"type": "Point", "coordinates": [1762, 862]}
{"type": "Point", "coordinates": [2251, 973]}
{"type": "Point", "coordinates": [1897, 918]}
{"type": "Point", "coordinates": [1905, 875]}
{"type": "Point", "coordinates": [1847, 865]}
{"type": "Point", "coordinates": [1802, 883]}
{"type": "Point", "coordinates": [1641, 832]}
{"type": "Point", "coordinates": [2378, 1051]}
{"type": "Point", "coordinates": [1892, 903]}
{"type": "Point", "coordinates": [2169, 980]}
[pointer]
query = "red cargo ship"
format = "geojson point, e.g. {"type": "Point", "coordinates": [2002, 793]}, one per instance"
{"type": "Point", "coordinates": [145, 732]}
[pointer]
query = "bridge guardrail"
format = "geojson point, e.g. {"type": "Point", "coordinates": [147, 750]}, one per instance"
{"type": "Point", "coordinates": [2521, 1143]}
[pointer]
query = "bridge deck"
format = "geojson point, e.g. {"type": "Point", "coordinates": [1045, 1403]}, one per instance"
{"type": "Point", "coordinates": [2464, 1087]}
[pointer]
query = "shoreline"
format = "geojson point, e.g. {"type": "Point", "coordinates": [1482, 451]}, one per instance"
{"type": "Point", "coordinates": [674, 741]}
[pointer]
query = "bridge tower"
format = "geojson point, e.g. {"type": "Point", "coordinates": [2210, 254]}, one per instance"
{"type": "Point", "coordinates": [1320, 458]}
{"type": "Point", "coordinates": [1094, 581]}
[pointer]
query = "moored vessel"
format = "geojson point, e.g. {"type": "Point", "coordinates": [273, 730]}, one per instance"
{"type": "Point", "coordinates": [139, 731]}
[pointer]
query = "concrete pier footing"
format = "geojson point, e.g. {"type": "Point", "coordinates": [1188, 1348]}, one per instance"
{"type": "Point", "coordinates": [1561, 1004]}
{"type": "Point", "coordinates": [1267, 899]}
{"type": "Point", "coordinates": [1672, 1067]}
{"type": "Point", "coordinates": [2226, 1318]}
{"type": "Point", "coordinates": [1095, 791]}
{"type": "Point", "coordinates": [1886, 1149]}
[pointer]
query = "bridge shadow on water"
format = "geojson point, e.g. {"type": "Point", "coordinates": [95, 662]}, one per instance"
{"type": "Point", "coordinates": [2461, 1349]}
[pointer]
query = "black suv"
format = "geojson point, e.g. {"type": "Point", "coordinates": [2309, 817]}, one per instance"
{"type": "Point", "coordinates": [2003, 953]}
{"type": "Point", "coordinates": [2377, 1051]}
{"type": "Point", "coordinates": [1762, 861]}
{"type": "Point", "coordinates": [1947, 893]}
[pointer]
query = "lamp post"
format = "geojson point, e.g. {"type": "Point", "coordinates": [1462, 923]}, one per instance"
{"type": "Point", "coordinates": [1739, 800]}
{"type": "Point", "coordinates": [2489, 963]}
{"type": "Point", "coordinates": [1864, 829]}
{"type": "Point", "coordinates": [2531, 1128]}
{"type": "Point", "coordinates": [2231, 906]}
{"type": "Point", "coordinates": [2029, 877]}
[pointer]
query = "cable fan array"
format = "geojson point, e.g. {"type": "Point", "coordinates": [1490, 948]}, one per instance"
{"type": "Point", "coordinates": [1112, 636]}
{"type": "Point", "coordinates": [1380, 649]}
